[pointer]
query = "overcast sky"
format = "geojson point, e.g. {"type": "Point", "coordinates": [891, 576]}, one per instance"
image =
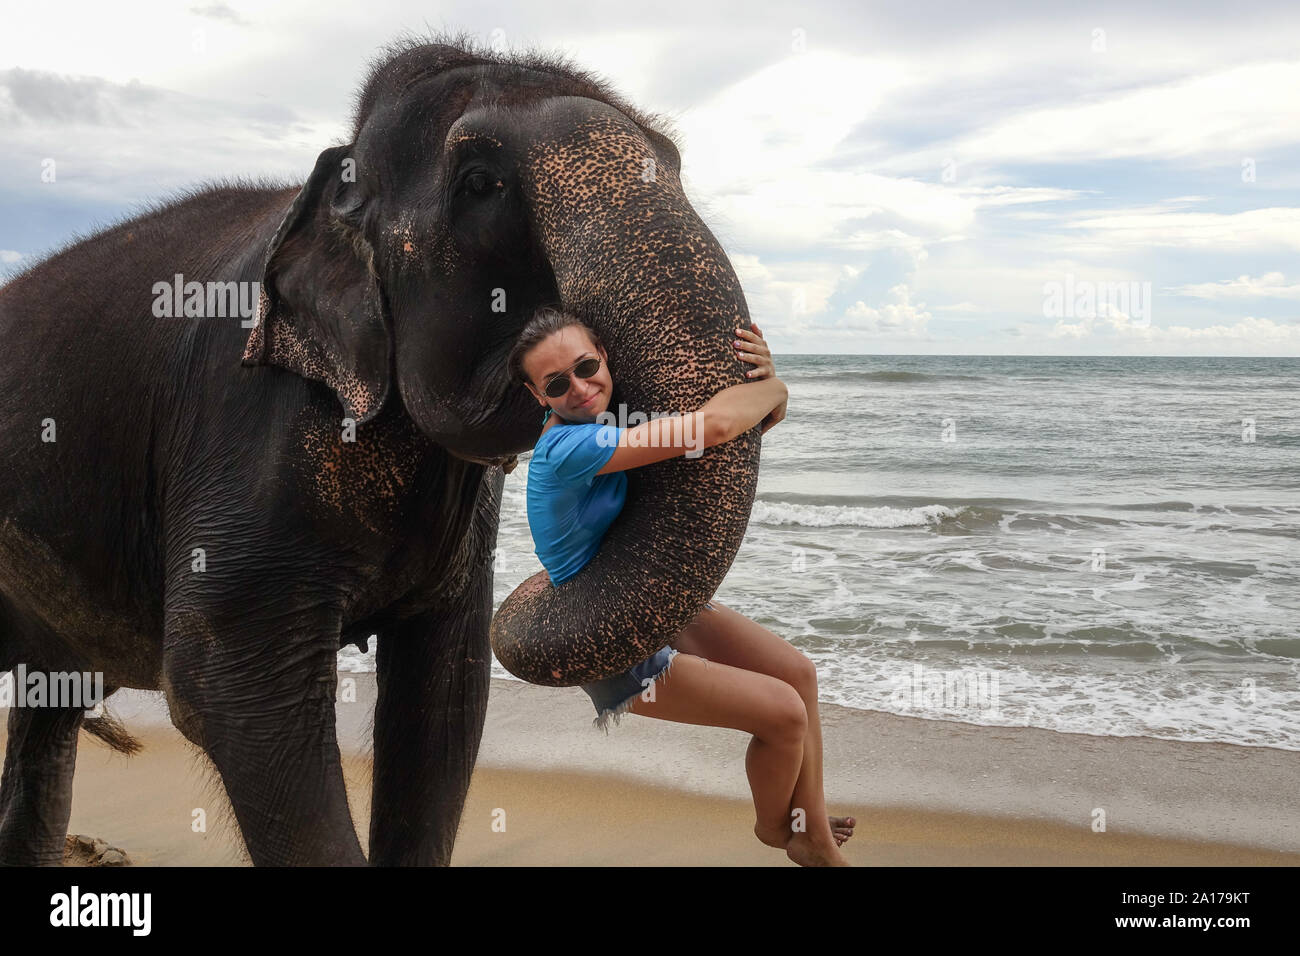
{"type": "Point", "coordinates": [904, 178]}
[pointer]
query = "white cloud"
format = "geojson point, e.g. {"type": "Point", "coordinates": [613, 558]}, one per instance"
{"type": "Point", "coordinates": [1250, 334]}
{"type": "Point", "coordinates": [784, 299]}
{"type": "Point", "coordinates": [753, 154]}
{"type": "Point", "coordinates": [1271, 285]}
{"type": "Point", "coordinates": [760, 154]}
{"type": "Point", "coordinates": [900, 318]}
{"type": "Point", "coordinates": [1236, 112]}
{"type": "Point", "coordinates": [1277, 227]}
{"type": "Point", "coordinates": [781, 118]}
{"type": "Point", "coordinates": [1105, 322]}
{"type": "Point", "coordinates": [1012, 196]}
{"type": "Point", "coordinates": [109, 141]}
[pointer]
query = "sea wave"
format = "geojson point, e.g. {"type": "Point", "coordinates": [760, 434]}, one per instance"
{"type": "Point", "coordinates": [825, 516]}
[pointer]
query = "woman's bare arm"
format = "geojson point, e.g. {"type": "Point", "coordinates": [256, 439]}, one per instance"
{"type": "Point", "coordinates": [731, 412]}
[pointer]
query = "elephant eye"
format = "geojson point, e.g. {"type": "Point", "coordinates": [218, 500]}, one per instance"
{"type": "Point", "coordinates": [479, 183]}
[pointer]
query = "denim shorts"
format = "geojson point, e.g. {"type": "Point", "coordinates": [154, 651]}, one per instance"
{"type": "Point", "coordinates": [613, 695]}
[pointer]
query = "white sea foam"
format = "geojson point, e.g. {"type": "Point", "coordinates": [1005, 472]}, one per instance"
{"type": "Point", "coordinates": [825, 516]}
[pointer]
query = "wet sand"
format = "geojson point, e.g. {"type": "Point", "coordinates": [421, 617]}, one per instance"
{"type": "Point", "coordinates": [925, 792]}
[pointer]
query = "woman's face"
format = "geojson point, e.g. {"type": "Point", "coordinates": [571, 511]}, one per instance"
{"type": "Point", "coordinates": [559, 352]}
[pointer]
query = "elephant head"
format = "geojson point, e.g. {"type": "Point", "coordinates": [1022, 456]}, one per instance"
{"type": "Point", "coordinates": [477, 188]}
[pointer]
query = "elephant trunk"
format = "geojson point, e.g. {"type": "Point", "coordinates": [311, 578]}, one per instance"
{"type": "Point", "coordinates": [632, 258]}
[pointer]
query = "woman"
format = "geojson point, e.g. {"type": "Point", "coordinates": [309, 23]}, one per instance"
{"type": "Point", "coordinates": [727, 671]}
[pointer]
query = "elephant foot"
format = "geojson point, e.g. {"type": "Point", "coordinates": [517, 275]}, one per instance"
{"type": "Point", "coordinates": [81, 850]}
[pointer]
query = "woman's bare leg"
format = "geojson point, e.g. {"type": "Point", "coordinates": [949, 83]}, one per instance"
{"type": "Point", "coordinates": [696, 691]}
{"type": "Point", "coordinates": [724, 636]}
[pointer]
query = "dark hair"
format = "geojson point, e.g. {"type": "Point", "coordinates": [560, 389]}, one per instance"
{"type": "Point", "coordinates": [545, 322]}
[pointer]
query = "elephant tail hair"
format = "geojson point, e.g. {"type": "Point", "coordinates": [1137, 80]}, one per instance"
{"type": "Point", "coordinates": [112, 732]}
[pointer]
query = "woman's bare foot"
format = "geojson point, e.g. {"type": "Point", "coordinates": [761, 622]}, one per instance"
{"type": "Point", "coordinates": [805, 851]}
{"type": "Point", "coordinates": [841, 829]}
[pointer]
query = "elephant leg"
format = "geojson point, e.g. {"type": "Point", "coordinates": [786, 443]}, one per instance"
{"type": "Point", "coordinates": [36, 791]}
{"type": "Point", "coordinates": [260, 701]}
{"type": "Point", "coordinates": [433, 674]}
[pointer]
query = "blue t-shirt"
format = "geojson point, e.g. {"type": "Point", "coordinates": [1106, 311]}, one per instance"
{"type": "Point", "coordinates": [570, 507]}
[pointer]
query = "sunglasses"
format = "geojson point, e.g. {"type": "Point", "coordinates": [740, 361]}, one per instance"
{"type": "Point", "coordinates": [560, 384]}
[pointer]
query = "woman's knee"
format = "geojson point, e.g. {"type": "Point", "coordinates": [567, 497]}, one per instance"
{"type": "Point", "coordinates": [802, 676]}
{"type": "Point", "coordinates": [785, 717]}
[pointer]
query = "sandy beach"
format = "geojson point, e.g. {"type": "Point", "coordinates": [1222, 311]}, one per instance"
{"type": "Point", "coordinates": [925, 792]}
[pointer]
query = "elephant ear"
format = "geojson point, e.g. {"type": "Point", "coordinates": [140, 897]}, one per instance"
{"type": "Point", "coordinates": [320, 311]}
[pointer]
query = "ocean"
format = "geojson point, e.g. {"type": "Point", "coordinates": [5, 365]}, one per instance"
{"type": "Point", "coordinates": [1095, 545]}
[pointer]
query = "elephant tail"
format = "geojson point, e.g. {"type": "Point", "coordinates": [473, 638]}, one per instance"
{"type": "Point", "coordinates": [112, 732]}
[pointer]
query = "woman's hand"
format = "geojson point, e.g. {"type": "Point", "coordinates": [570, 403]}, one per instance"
{"type": "Point", "coordinates": [751, 347]}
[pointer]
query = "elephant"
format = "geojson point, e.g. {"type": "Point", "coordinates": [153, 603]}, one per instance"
{"type": "Point", "coordinates": [211, 506]}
